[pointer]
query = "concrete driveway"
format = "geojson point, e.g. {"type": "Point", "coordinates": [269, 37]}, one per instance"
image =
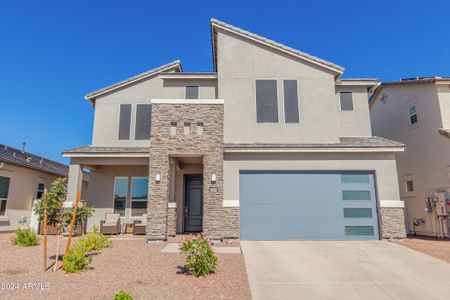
{"type": "Point", "coordinates": [343, 270]}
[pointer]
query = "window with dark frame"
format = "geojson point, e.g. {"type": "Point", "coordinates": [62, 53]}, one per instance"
{"type": "Point", "coordinates": [409, 186]}
{"type": "Point", "coordinates": [412, 113]}
{"type": "Point", "coordinates": [266, 101]}
{"type": "Point", "coordinates": [139, 191]}
{"type": "Point", "coordinates": [124, 122]}
{"type": "Point", "coordinates": [346, 99]}
{"type": "Point", "coordinates": [291, 114]}
{"type": "Point", "coordinates": [4, 192]}
{"type": "Point", "coordinates": [40, 190]}
{"type": "Point", "coordinates": [143, 121]}
{"type": "Point", "coordinates": [191, 92]}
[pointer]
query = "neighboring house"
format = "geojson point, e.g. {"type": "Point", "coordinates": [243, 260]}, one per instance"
{"type": "Point", "coordinates": [416, 112]}
{"type": "Point", "coordinates": [272, 145]}
{"type": "Point", "coordinates": [23, 179]}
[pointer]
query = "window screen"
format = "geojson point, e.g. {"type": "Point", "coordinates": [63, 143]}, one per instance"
{"type": "Point", "coordinates": [409, 186]}
{"type": "Point", "coordinates": [266, 101]}
{"type": "Point", "coordinates": [143, 121]}
{"type": "Point", "coordinates": [346, 100]}
{"type": "Point", "coordinates": [412, 111]}
{"type": "Point", "coordinates": [125, 122]}
{"type": "Point", "coordinates": [4, 187]}
{"type": "Point", "coordinates": [191, 92]}
{"type": "Point", "coordinates": [290, 101]}
{"type": "Point", "coordinates": [40, 190]}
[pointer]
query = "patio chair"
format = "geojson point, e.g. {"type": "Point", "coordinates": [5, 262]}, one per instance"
{"type": "Point", "coordinates": [111, 224]}
{"type": "Point", "coordinates": [140, 225]}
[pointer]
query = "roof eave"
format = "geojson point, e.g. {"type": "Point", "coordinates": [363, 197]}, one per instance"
{"type": "Point", "coordinates": [121, 84]}
{"type": "Point", "coordinates": [336, 69]}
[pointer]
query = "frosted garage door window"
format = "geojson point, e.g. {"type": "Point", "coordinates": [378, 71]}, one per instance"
{"type": "Point", "coordinates": [359, 231]}
{"type": "Point", "coordinates": [357, 213]}
{"type": "Point", "coordinates": [356, 195]}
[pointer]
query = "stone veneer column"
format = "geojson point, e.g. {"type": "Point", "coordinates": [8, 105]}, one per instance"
{"type": "Point", "coordinates": [163, 145]}
{"type": "Point", "coordinates": [392, 222]}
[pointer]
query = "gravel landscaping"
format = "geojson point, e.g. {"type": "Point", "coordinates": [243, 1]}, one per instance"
{"type": "Point", "coordinates": [131, 264]}
{"type": "Point", "coordinates": [438, 248]}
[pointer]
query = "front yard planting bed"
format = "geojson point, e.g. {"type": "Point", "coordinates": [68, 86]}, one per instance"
{"type": "Point", "coordinates": [130, 265]}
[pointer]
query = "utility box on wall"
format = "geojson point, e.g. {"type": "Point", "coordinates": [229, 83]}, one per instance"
{"type": "Point", "coordinates": [441, 204]}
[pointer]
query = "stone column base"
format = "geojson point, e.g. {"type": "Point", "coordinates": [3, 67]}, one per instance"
{"type": "Point", "coordinates": [392, 223]}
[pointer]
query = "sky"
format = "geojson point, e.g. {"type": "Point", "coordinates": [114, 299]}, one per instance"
{"type": "Point", "coordinates": [52, 53]}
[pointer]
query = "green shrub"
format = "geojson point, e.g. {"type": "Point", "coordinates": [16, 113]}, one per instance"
{"type": "Point", "coordinates": [123, 296]}
{"type": "Point", "coordinates": [93, 240]}
{"type": "Point", "coordinates": [200, 258]}
{"type": "Point", "coordinates": [25, 238]}
{"type": "Point", "coordinates": [75, 260]}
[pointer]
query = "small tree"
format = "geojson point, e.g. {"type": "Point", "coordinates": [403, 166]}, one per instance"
{"type": "Point", "coordinates": [52, 202]}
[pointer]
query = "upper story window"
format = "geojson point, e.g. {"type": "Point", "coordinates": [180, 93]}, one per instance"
{"type": "Point", "coordinates": [291, 114]}
{"type": "Point", "coordinates": [191, 92]}
{"type": "Point", "coordinates": [4, 191]}
{"type": "Point", "coordinates": [409, 186]}
{"type": "Point", "coordinates": [143, 121]}
{"type": "Point", "coordinates": [266, 101]}
{"type": "Point", "coordinates": [124, 122]}
{"type": "Point", "coordinates": [40, 190]}
{"type": "Point", "coordinates": [412, 113]}
{"type": "Point", "coordinates": [346, 99]}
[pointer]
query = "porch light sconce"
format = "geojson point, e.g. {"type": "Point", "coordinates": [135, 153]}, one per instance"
{"type": "Point", "coordinates": [213, 177]}
{"type": "Point", "coordinates": [158, 177]}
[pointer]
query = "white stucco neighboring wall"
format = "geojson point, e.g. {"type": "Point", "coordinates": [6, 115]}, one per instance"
{"type": "Point", "coordinates": [426, 160]}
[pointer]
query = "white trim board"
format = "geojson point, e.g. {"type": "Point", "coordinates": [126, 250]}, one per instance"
{"type": "Point", "coordinates": [187, 101]}
{"type": "Point", "coordinates": [392, 203]}
{"type": "Point", "coordinates": [230, 203]}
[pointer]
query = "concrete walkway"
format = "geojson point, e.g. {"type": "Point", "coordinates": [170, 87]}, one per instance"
{"type": "Point", "coordinates": [343, 270]}
{"type": "Point", "coordinates": [173, 248]}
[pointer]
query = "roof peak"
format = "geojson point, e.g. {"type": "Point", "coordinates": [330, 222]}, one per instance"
{"type": "Point", "coordinates": [294, 52]}
{"type": "Point", "coordinates": [174, 64]}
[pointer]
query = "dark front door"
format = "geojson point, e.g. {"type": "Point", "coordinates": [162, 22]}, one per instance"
{"type": "Point", "coordinates": [193, 203]}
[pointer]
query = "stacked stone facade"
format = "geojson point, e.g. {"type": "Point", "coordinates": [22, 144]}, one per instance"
{"type": "Point", "coordinates": [392, 222]}
{"type": "Point", "coordinates": [209, 145]}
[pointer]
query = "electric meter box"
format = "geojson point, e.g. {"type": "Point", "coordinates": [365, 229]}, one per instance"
{"type": "Point", "coordinates": [441, 203]}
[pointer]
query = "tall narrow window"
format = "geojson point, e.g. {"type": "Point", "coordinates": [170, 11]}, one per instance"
{"type": "Point", "coordinates": [139, 191]}
{"type": "Point", "coordinates": [40, 190]}
{"type": "Point", "coordinates": [120, 195]}
{"type": "Point", "coordinates": [409, 186]}
{"type": "Point", "coordinates": [191, 92]}
{"type": "Point", "coordinates": [290, 101]}
{"type": "Point", "coordinates": [124, 121]}
{"type": "Point", "coordinates": [143, 121]}
{"type": "Point", "coordinates": [187, 128]}
{"type": "Point", "coordinates": [266, 101]}
{"type": "Point", "coordinates": [173, 128]}
{"type": "Point", "coordinates": [199, 128]}
{"type": "Point", "coordinates": [346, 99]}
{"type": "Point", "coordinates": [412, 112]}
{"type": "Point", "coordinates": [4, 191]}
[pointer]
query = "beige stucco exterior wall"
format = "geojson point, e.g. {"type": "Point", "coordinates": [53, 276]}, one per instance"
{"type": "Point", "coordinates": [382, 164]}
{"type": "Point", "coordinates": [426, 160]}
{"type": "Point", "coordinates": [107, 107]}
{"type": "Point", "coordinates": [101, 190]}
{"type": "Point", "coordinates": [176, 88]}
{"type": "Point", "coordinates": [22, 192]}
{"type": "Point", "coordinates": [360, 114]}
{"type": "Point", "coordinates": [444, 104]}
{"type": "Point", "coordinates": [241, 62]}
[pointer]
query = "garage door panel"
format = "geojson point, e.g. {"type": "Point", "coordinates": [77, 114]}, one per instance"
{"type": "Point", "coordinates": [296, 205]}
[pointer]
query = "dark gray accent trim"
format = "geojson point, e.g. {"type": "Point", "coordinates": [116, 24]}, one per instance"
{"type": "Point", "coordinates": [124, 122]}
{"type": "Point", "coordinates": [143, 121]}
{"type": "Point", "coordinates": [291, 114]}
{"type": "Point", "coordinates": [266, 101]}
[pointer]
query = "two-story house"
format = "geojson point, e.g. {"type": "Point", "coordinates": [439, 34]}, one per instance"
{"type": "Point", "coordinates": [271, 145]}
{"type": "Point", "coordinates": [416, 112]}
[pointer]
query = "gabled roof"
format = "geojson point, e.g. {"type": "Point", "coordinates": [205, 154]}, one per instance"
{"type": "Point", "coordinates": [216, 24]}
{"type": "Point", "coordinates": [25, 159]}
{"type": "Point", "coordinates": [164, 68]}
